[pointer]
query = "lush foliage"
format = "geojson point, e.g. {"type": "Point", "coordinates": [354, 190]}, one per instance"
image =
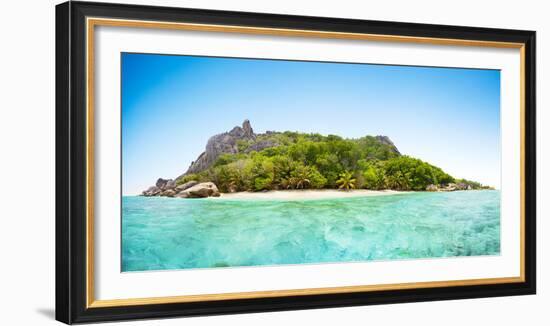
{"type": "Point", "coordinates": [313, 161]}
{"type": "Point", "coordinates": [346, 181]}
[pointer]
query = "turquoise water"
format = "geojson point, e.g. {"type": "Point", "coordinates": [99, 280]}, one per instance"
{"type": "Point", "coordinates": [168, 233]}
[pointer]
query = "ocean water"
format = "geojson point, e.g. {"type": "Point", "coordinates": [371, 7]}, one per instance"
{"type": "Point", "coordinates": [169, 233]}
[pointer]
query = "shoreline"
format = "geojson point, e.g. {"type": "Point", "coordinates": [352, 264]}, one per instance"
{"type": "Point", "coordinates": [309, 194]}
{"type": "Point", "coordinates": [304, 194]}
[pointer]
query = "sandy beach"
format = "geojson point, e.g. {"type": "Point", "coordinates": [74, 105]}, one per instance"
{"type": "Point", "coordinates": [308, 194]}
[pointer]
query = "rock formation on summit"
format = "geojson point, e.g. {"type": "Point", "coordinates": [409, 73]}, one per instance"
{"type": "Point", "coordinates": [224, 143]}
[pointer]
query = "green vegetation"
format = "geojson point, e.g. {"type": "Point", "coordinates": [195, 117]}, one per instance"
{"type": "Point", "coordinates": [346, 181]}
{"type": "Point", "coordinates": [314, 161]}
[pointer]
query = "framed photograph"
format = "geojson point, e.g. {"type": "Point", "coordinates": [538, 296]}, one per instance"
{"type": "Point", "coordinates": [212, 162]}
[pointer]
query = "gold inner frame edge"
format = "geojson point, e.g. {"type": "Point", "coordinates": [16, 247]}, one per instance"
{"type": "Point", "coordinates": [91, 22]}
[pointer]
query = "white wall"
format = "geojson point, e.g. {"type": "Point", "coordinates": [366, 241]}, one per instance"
{"type": "Point", "coordinates": [27, 161]}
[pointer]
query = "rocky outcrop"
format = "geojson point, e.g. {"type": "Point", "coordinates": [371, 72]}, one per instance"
{"type": "Point", "coordinates": [432, 188]}
{"type": "Point", "coordinates": [463, 186]}
{"type": "Point", "coordinates": [152, 191]}
{"type": "Point", "coordinates": [186, 185]}
{"type": "Point", "coordinates": [161, 183]}
{"type": "Point", "coordinates": [190, 189]}
{"type": "Point", "coordinates": [449, 187]}
{"type": "Point", "coordinates": [262, 144]}
{"type": "Point", "coordinates": [387, 141]}
{"type": "Point", "coordinates": [225, 143]}
{"type": "Point", "coordinates": [168, 193]}
{"type": "Point", "coordinates": [201, 190]}
{"type": "Point", "coordinates": [160, 188]}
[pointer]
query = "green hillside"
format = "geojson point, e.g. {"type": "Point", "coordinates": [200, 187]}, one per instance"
{"type": "Point", "coordinates": [291, 160]}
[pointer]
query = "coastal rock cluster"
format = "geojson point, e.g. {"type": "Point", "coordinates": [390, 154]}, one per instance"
{"type": "Point", "coordinates": [449, 187]}
{"type": "Point", "coordinates": [224, 143]}
{"type": "Point", "coordinates": [191, 189]}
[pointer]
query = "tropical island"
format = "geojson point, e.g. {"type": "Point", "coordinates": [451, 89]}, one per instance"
{"type": "Point", "coordinates": [242, 161]}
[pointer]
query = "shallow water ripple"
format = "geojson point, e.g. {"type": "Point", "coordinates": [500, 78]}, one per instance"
{"type": "Point", "coordinates": [166, 233]}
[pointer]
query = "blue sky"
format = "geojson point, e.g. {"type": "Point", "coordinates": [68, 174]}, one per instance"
{"type": "Point", "coordinates": [171, 105]}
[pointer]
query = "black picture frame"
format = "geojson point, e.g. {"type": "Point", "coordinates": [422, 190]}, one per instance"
{"type": "Point", "coordinates": [71, 157]}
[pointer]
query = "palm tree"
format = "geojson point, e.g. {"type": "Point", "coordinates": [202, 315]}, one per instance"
{"type": "Point", "coordinates": [300, 178]}
{"type": "Point", "coordinates": [399, 180]}
{"type": "Point", "coordinates": [346, 181]}
{"type": "Point", "coordinates": [301, 182]}
{"type": "Point", "coordinates": [286, 183]}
